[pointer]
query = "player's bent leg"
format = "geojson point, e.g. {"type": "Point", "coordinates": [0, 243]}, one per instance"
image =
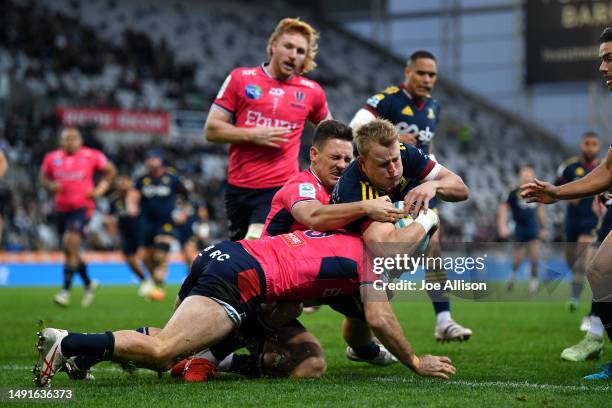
{"type": "Point", "coordinates": [198, 323]}
{"type": "Point", "coordinates": [599, 271]}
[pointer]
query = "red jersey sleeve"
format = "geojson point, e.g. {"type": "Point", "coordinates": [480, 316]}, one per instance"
{"type": "Point", "coordinates": [297, 191]}
{"type": "Point", "coordinates": [46, 165]}
{"type": "Point", "coordinates": [319, 107]}
{"type": "Point", "coordinates": [100, 161]}
{"type": "Point", "coordinates": [229, 94]}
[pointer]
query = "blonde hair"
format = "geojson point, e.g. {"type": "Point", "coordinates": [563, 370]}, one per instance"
{"type": "Point", "coordinates": [379, 131]}
{"type": "Point", "coordinates": [295, 25]}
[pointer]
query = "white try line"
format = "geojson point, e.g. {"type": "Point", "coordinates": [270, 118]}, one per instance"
{"type": "Point", "coordinates": [504, 384]}
{"type": "Point", "coordinates": [456, 383]}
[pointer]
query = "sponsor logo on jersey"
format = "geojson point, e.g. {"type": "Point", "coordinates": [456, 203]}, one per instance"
{"type": "Point", "coordinates": [391, 89]}
{"type": "Point", "coordinates": [152, 190]}
{"type": "Point", "coordinates": [375, 100]}
{"type": "Point", "coordinates": [249, 72]}
{"type": "Point", "coordinates": [307, 83]}
{"type": "Point", "coordinates": [317, 234]}
{"type": "Point", "coordinates": [165, 179]}
{"type": "Point", "coordinates": [253, 91]}
{"type": "Point", "coordinates": [407, 111]}
{"type": "Point", "coordinates": [430, 113]}
{"type": "Point", "coordinates": [224, 87]}
{"type": "Point", "coordinates": [299, 96]}
{"type": "Point", "coordinates": [307, 190]}
{"type": "Point", "coordinates": [57, 162]}
{"type": "Point", "coordinates": [292, 240]}
{"type": "Point", "coordinates": [579, 172]}
{"type": "Point", "coordinates": [146, 181]}
{"type": "Point", "coordinates": [254, 118]}
{"type": "Point", "coordinates": [276, 92]}
{"type": "Point", "coordinates": [424, 135]}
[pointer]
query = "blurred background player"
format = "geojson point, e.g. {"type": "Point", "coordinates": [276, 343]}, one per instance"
{"type": "Point", "coordinates": [153, 197]}
{"type": "Point", "coordinates": [580, 220]}
{"type": "Point", "coordinates": [261, 112]}
{"type": "Point", "coordinates": [191, 224]}
{"type": "Point", "coordinates": [529, 228]}
{"type": "Point", "coordinates": [416, 114]}
{"type": "Point", "coordinates": [130, 231]}
{"type": "Point", "coordinates": [69, 172]}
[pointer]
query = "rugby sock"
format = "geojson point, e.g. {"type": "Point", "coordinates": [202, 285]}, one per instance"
{"type": "Point", "coordinates": [68, 274]}
{"type": "Point", "coordinates": [605, 314]}
{"type": "Point", "coordinates": [443, 317]}
{"type": "Point", "coordinates": [596, 326]}
{"type": "Point", "coordinates": [144, 330]}
{"type": "Point", "coordinates": [368, 352]}
{"type": "Point", "coordinates": [248, 365]}
{"type": "Point", "coordinates": [439, 298]}
{"type": "Point", "coordinates": [98, 345]}
{"type": "Point", "coordinates": [82, 270]}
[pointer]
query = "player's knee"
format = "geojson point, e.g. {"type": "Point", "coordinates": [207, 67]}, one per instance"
{"type": "Point", "coordinates": [595, 271]}
{"type": "Point", "coordinates": [312, 367]}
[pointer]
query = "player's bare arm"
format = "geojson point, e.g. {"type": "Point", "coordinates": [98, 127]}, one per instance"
{"type": "Point", "coordinates": [329, 217]}
{"type": "Point", "coordinates": [132, 202]}
{"type": "Point", "coordinates": [219, 129]}
{"type": "Point", "coordinates": [49, 184]}
{"type": "Point", "coordinates": [383, 322]}
{"type": "Point", "coordinates": [502, 221]}
{"type": "Point", "coordinates": [109, 173]}
{"type": "Point", "coordinates": [447, 185]}
{"type": "Point", "coordinates": [3, 164]}
{"type": "Point", "coordinates": [597, 181]}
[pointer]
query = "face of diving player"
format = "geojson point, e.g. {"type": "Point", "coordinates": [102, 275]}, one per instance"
{"type": "Point", "coordinates": [590, 148]}
{"type": "Point", "coordinates": [605, 54]}
{"type": "Point", "coordinates": [526, 175]}
{"type": "Point", "coordinates": [329, 162]}
{"type": "Point", "coordinates": [421, 77]}
{"type": "Point", "coordinates": [382, 165]}
{"type": "Point", "coordinates": [71, 140]}
{"type": "Point", "coordinates": [288, 55]}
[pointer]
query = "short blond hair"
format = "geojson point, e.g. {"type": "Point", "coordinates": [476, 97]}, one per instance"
{"type": "Point", "coordinates": [379, 131]}
{"type": "Point", "coordinates": [295, 25]}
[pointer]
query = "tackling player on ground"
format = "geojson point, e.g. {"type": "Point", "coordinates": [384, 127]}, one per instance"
{"type": "Point", "coordinates": [261, 112]}
{"type": "Point", "coordinates": [68, 172]}
{"type": "Point", "coordinates": [225, 288]}
{"type": "Point", "coordinates": [416, 114]}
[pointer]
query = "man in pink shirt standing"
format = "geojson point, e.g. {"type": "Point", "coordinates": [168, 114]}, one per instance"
{"type": "Point", "coordinates": [68, 172]}
{"type": "Point", "coordinates": [261, 112]}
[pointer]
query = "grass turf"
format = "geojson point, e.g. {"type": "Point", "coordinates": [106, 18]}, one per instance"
{"type": "Point", "coordinates": [512, 360]}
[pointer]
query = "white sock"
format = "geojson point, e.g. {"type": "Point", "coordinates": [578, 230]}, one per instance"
{"type": "Point", "coordinates": [596, 326]}
{"type": "Point", "coordinates": [443, 317]}
{"type": "Point", "coordinates": [226, 363]}
{"type": "Point", "coordinates": [207, 354]}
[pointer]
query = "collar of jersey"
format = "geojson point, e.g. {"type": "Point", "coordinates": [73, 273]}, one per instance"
{"type": "Point", "coordinates": [265, 71]}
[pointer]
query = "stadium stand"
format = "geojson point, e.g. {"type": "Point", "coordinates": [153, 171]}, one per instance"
{"type": "Point", "coordinates": [155, 55]}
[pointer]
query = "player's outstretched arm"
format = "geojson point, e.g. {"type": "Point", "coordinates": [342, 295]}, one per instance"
{"type": "Point", "coordinates": [132, 202]}
{"type": "Point", "coordinates": [321, 217]}
{"type": "Point", "coordinates": [386, 328]}
{"type": "Point", "coordinates": [219, 129]}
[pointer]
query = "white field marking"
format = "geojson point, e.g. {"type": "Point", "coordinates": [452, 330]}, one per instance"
{"type": "Point", "coordinates": [21, 367]}
{"type": "Point", "coordinates": [507, 384]}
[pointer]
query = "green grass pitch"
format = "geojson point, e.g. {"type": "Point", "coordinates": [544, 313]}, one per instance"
{"type": "Point", "coordinates": [512, 359]}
